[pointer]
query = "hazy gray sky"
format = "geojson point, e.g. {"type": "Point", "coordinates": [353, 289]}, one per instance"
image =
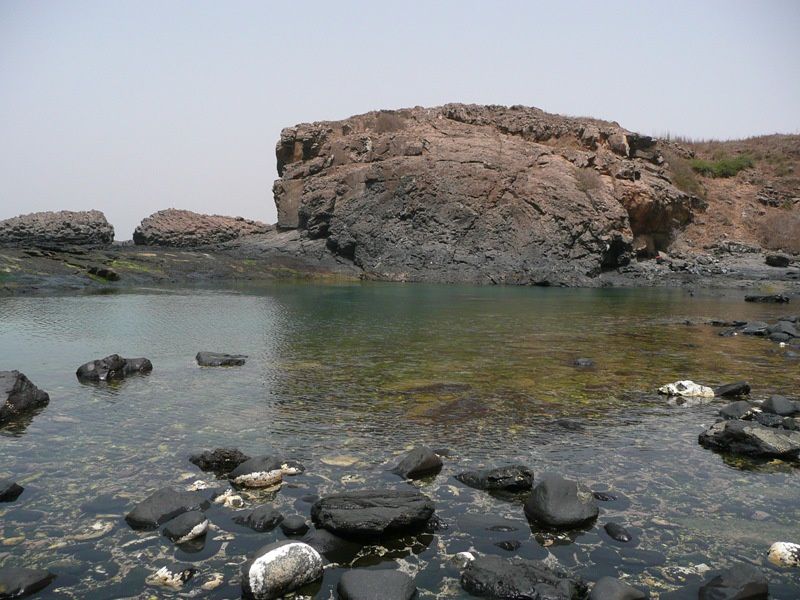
{"type": "Point", "coordinates": [134, 106]}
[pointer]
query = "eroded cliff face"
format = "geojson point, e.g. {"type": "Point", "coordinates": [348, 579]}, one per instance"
{"type": "Point", "coordinates": [477, 193]}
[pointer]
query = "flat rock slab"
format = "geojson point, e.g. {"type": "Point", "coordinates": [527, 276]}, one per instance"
{"type": "Point", "coordinates": [515, 578]}
{"type": "Point", "coordinates": [373, 513]}
{"type": "Point", "coordinates": [18, 395]}
{"type": "Point", "coordinates": [751, 439]}
{"type": "Point", "coordinates": [280, 568]}
{"type": "Point", "coordinates": [610, 588]}
{"type": "Point", "coordinates": [163, 505]}
{"type": "Point", "coordinates": [19, 583]}
{"type": "Point", "coordinates": [219, 359]}
{"type": "Point", "coordinates": [514, 478]}
{"type": "Point", "coordinates": [561, 503]}
{"type": "Point", "coordinates": [363, 584]}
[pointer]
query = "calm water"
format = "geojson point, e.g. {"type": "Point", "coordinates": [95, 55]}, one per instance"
{"type": "Point", "coordinates": [359, 373]}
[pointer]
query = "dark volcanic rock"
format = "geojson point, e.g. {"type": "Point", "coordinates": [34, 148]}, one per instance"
{"type": "Point", "coordinates": [383, 584]}
{"type": "Point", "coordinates": [9, 490]}
{"type": "Point", "coordinates": [742, 582]}
{"type": "Point", "coordinates": [476, 193]}
{"type": "Point", "coordinates": [185, 527]}
{"type": "Point", "coordinates": [752, 439]}
{"type": "Point", "coordinates": [112, 367]}
{"type": "Point", "coordinates": [730, 390]}
{"type": "Point", "coordinates": [770, 298]}
{"type": "Point", "coordinates": [617, 532]}
{"type": "Point", "coordinates": [331, 546]}
{"type": "Point", "coordinates": [419, 462]}
{"type": "Point", "coordinates": [163, 505]}
{"type": "Point", "coordinates": [514, 478]}
{"type": "Point", "coordinates": [610, 588]}
{"type": "Point", "coordinates": [19, 583]}
{"type": "Point", "coordinates": [63, 228]}
{"type": "Point", "coordinates": [561, 503]}
{"type": "Point", "coordinates": [280, 568]}
{"type": "Point", "coordinates": [777, 260]}
{"type": "Point", "coordinates": [373, 513]}
{"type": "Point", "coordinates": [18, 395]}
{"type": "Point", "coordinates": [220, 460]}
{"type": "Point", "coordinates": [218, 359]}
{"type": "Point", "coordinates": [264, 471]}
{"type": "Point", "coordinates": [517, 579]}
{"type": "Point", "coordinates": [261, 519]}
{"type": "Point", "coordinates": [779, 405]}
{"type": "Point", "coordinates": [736, 410]}
{"type": "Point", "coordinates": [186, 229]}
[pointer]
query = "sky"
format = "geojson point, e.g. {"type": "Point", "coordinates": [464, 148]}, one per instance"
{"type": "Point", "coordinates": [130, 107]}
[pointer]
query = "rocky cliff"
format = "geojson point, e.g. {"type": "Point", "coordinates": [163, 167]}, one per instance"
{"type": "Point", "coordinates": [478, 193]}
{"type": "Point", "coordinates": [185, 229]}
{"type": "Point", "coordinates": [85, 228]}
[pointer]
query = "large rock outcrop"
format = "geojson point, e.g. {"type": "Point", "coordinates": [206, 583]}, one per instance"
{"type": "Point", "coordinates": [477, 193]}
{"type": "Point", "coordinates": [63, 228]}
{"type": "Point", "coordinates": [186, 229]}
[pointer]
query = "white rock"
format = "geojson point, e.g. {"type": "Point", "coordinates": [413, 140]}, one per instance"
{"type": "Point", "coordinates": [260, 479]}
{"type": "Point", "coordinates": [200, 485]}
{"type": "Point", "coordinates": [686, 388]}
{"type": "Point", "coordinates": [784, 554]}
{"type": "Point", "coordinates": [229, 500]}
{"type": "Point", "coordinates": [166, 578]}
{"type": "Point", "coordinates": [281, 568]}
{"type": "Point", "coordinates": [462, 559]}
{"type": "Point", "coordinates": [214, 581]}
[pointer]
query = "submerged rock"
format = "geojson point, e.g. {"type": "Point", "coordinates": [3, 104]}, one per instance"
{"type": "Point", "coordinates": [331, 546]}
{"type": "Point", "coordinates": [220, 460]}
{"type": "Point", "coordinates": [163, 505]}
{"type": "Point", "coordinates": [419, 462]}
{"type": "Point", "coordinates": [686, 388]}
{"type": "Point", "coordinates": [218, 359]}
{"type": "Point", "coordinates": [517, 578]}
{"type": "Point", "coordinates": [752, 439]}
{"type": "Point", "coordinates": [9, 490]}
{"type": "Point", "coordinates": [610, 588]}
{"type": "Point", "coordinates": [62, 228]}
{"type": "Point", "coordinates": [617, 532]}
{"type": "Point", "coordinates": [736, 410]}
{"type": "Point", "coordinates": [769, 298]}
{"type": "Point", "coordinates": [382, 584]}
{"type": "Point", "coordinates": [19, 582]}
{"type": "Point", "coordinates": [280, 568]}
{"type": "Point", "coordinates": [742, 582]}
{"type": "Point", "coordinates": [561, 503]}
{"type": "Point", "coordinates": [261, 519]}
{"type": "Point", "coordinates": [513, 478]}
{"type": "Point", "coordinates": [186, 527]}
{"type": "Point", "coordinates": [784, 554]}
{"type": "Point", "coordinates": [740, 388]}
{"type": "Point", "coordinates": [373, 513]}
{"type": "Point", "coordinates": [112, 367]}
{"type": "Point", "coordinates": [18, 395]}
{"type": "Point", "coordinates": [294, 525]}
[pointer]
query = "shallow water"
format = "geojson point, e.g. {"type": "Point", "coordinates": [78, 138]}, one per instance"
{"type": "Point", "coordinates": [355, 374]}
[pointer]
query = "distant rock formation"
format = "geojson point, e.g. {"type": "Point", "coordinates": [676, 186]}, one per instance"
{"type": "Point", "coordinates": [477, 193]}
{"type": "Point", "coordinates": [185, 229]}
{"type": "Point", "coordinates": [84, 228]}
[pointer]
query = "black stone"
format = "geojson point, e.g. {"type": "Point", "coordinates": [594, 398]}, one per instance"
{"type": "Point", "coordinates": [561, 503]}
{"type": "Point", "coordinates": [259, 464]}
{"type": "Point", "coordinates": [513, 478]}
{"type": "Point", "coordinates": [583, 362]}
{"type": "Point", "coordinates": [604, 496]}
{"type": "Point", "coordinates": [261, 519]}
{"type": "Point", "coordinates": [294, 525]}
{"type": "Point", "coordinates": [751, 439]}
{"type": "Point", "coordinates": [18, 582]}
{"type": "Point", "coordinates": [183, 524]}
{"type": "Point", "coordinates": [383, 584]}
{"type": "Point", "coordinates": [509, 545]}
{"type": "Point", "coordinates": [779, 405]}
{"type": "Point", "coordinates": [373, 513]}
{"type": "Point", "coordinates": [771, 420]}
{"type": "Point", "coordinates": [610, 588]}
{"type": "Point", "coordinates": [755, 328]}
{"type": "Point", "coordinates": [331, 546]}
{"type": "Point", "coordinates": [740, 388]}
{"type": "Point", "coordinates": [18, 395]}
{"type": "Point", "coordinates": [112, 367]}
{"type": "Point", "coordinates": [777, 260]}
{"type": "Point", "coordinates": [736, 410]}
{"type": "Point", "coordinates": [770, 298]}
{"type": "Point", "coordinates": [218, 359]}
{"type": "Point", "coordinates": [163, 505]}
{"type": "Point", "coordinates": [785, 328]}
{"type": "Point", "coordinates": [419, 462]}
{"type": "Point", "coordinates": [219, 460]}
{"type": "Point", "coordinates": [517, 578]}
{"type": "Point", "coordinates": [617, 532]}
{"type": "Point", "coordinates": [742, 582]}
{"type": "Point", "coordinates": [9, 490]}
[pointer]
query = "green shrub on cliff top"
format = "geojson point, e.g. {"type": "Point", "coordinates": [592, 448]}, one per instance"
{"type": "Point", "coordinates": [724, 167]}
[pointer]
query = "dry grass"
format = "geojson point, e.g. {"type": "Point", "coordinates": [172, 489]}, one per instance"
{"type": "Point", "coordinates": [781, 231]}
{"type": "Point", "coordinates": [683, 176]}
{"type": "Point", "coordinates": [587, 180]}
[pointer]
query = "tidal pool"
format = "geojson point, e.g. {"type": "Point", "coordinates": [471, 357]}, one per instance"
{"type": "Point", "coordinates": [345, 378]}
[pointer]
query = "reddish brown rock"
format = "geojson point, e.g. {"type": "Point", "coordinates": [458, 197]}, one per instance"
{"type": "Point", "coordinates": [477, 193]}
{"type": "Point", "coordinates": [184, 229]}
{"type": "Point", "coordinates": [61, 228]}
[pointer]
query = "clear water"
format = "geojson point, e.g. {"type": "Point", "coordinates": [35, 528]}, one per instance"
{"type": "Point", "coordinates": [365, 371]}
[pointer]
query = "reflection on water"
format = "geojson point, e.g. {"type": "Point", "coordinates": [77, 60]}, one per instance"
{"type": "Point", "coordinates": [362, 372]}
